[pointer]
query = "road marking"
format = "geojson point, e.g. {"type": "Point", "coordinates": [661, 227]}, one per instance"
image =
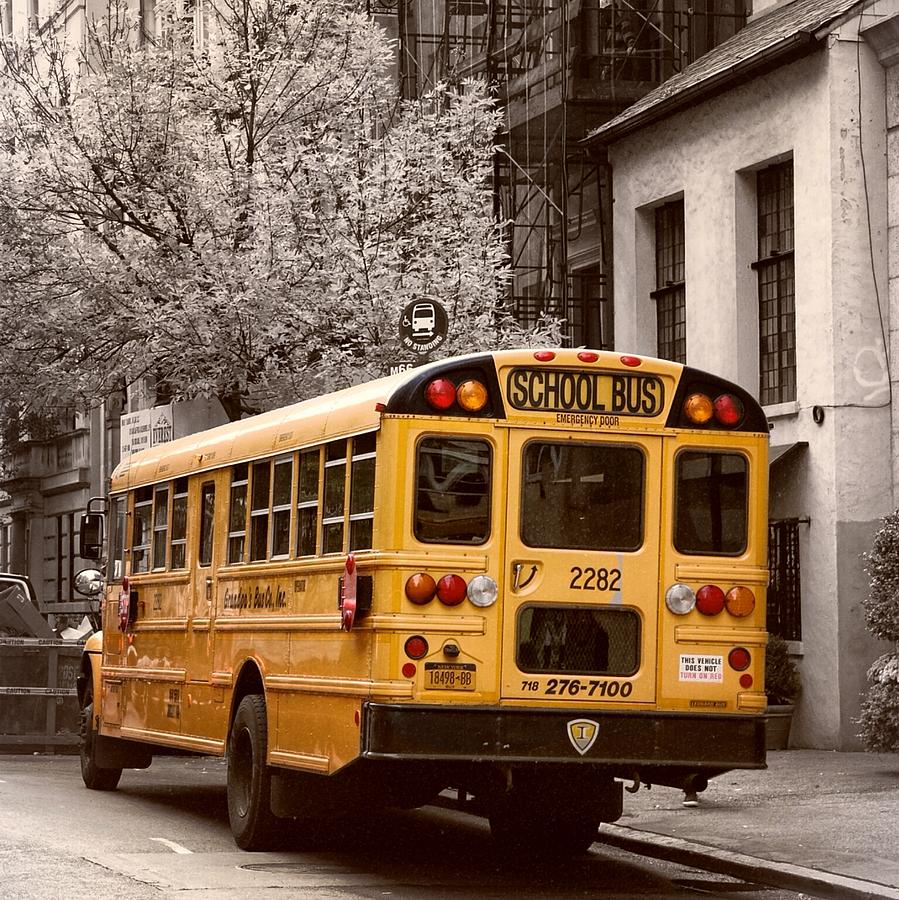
{"type": "Point", "coordinates": [175, 848]}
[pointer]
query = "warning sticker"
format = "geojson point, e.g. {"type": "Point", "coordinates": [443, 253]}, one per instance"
{"type": "Point", "coordinates": [696, 667]}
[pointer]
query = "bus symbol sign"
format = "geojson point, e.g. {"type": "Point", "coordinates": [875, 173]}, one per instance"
{"type": "Point", "coordinates": [423, 326]}
{"type": "Point", "coordinates": [582, 733]}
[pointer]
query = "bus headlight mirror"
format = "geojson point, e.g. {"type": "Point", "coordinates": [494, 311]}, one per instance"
{"type": "Point", "coordinates": [680, 599]}
{"type": "Point", "coordinates": [482, 590]}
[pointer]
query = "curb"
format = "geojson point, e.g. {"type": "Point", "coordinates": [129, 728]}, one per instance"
{"type": "Point", "coordinates": [762, 871]}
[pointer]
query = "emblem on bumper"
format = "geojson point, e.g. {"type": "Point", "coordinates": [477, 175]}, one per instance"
{"type": "Point", "coordinates": [582, 733]}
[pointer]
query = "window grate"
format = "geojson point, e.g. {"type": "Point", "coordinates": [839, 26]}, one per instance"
{"type": "Point", "coordinates": [784, 591]}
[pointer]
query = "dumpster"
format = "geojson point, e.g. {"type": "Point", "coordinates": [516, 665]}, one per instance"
{"type": "Point", "coordinates": [38, 700]}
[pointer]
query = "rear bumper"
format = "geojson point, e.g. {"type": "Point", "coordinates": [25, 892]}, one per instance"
{"type": "Point", "coordinates": [623, 740]}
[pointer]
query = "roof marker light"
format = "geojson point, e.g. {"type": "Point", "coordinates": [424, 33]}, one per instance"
{"type": "Point", "coordinates": [544, 355]}
{"type": "Point", "coordinates": [631, 361]}
{"type": "Point", "coordinates": [471, 396]}
{"type": "Point", "coordinates": [440, 394]}
{"type": "Point", "coordinates": [587, 356]}
{"type": "Point", "coordinates": [698, 408]}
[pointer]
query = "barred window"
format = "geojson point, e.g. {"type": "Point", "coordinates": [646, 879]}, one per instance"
{"type": "Point", "coordinates": [777, 300]}
{"type": "Point", "coordinates": [670, 294]}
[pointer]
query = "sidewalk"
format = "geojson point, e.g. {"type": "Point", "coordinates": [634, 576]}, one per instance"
{"type": "Point", "coordinates": [819, 821]}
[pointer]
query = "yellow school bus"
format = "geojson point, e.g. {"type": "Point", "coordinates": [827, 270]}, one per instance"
{"type": "Point", "coordinates": [530, 576]}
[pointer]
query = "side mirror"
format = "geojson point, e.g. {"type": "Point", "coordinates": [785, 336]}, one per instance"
{"type": "Point", "coordinates": [90, 545]}
{"type": "Point", "coordinates": [89, 582]}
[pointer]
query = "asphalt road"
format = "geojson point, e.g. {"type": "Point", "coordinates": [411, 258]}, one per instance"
{"type": "Point", "coordinates": [165, 834]}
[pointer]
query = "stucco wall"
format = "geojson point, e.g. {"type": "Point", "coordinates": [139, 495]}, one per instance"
{"type": "Point", "coordinates": [807, 111]}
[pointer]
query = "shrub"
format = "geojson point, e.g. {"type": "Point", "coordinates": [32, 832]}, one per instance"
{"type": "Point", "coordinates": [882, 603]}
{"type": "Point", "coordinates": [879, 719]}
{"type": "Point", "coordinates": [782, 683]}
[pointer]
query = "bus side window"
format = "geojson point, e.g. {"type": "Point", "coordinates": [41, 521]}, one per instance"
{"type": "Point", "coordinates": [362, 492]}
{"type": "Point", "coordinates": [142, 531]}
{"type": "Point", "coordinates": [307, 502]}
{"type": "Point", "coordinates": [115, 568]}
{"type": "Point", "coordinates": [282, 488]}
{"type": "Point", "coordinates": [710, 503]}
{"type": "Point", "coordinates": [334, 495]}
{"type": "Point", "coordinates": [259, 510]}
{"type": "Point", "coordinates": [207, 521]}
{"type": "Point", "coordinates": [160, 526]}
{"type": "Point", "coordinates": [237, 514]}
{"type": "Point", "coordinates": [178, 537]}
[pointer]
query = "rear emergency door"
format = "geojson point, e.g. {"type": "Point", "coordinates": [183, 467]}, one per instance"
{"type": "Point", "coordinates": [582, 557]}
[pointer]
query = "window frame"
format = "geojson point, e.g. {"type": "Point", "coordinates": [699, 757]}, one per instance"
{"type": "Point", "coordinates": [491, 476]}
{"type": "Point", "coordinates": [776, 287]}
{"type": "Point", "coordinates": [670, 294]}
{"type": "Point", "coordinates": [675, 500]}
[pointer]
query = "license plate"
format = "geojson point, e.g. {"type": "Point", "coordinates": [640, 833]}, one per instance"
{"type": "Point", "coordinates": [450, 676]}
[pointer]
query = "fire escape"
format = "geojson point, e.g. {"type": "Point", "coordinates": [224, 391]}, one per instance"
{"type": "Point", "coordinates": [559, 69]}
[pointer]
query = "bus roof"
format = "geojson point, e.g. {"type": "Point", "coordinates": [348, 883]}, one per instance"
{"type": "Point", "coordinates": [358, 409]}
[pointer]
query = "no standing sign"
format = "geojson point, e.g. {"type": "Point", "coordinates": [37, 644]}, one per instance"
{"type": "Point", "coordinates": [423, 326]}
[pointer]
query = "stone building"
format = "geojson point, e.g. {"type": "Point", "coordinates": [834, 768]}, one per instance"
{"type": "Point", "coordinates": [750, 234]}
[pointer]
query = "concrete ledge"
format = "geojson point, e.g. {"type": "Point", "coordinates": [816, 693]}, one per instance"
{"type": "Point", "coordinates": [775, 874]}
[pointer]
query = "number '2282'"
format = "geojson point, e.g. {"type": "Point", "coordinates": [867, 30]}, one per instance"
{"type": "Point", "coordinates": [590, 579]}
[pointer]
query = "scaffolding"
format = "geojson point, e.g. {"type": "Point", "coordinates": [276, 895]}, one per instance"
{"type": "Point", "coordinates": [559, 68]}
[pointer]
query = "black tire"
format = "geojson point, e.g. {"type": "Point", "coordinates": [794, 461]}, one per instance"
{"type": "Point", "coordinates": [253, 823]}
{"type": "Point", "coordinates": [95, 778]}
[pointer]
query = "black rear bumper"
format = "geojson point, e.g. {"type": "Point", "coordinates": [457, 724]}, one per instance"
{"type": "Point", "coordinates": [624, 741]}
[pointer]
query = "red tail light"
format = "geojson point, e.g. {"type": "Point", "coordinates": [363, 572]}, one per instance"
{"type": "Point", "coordinates": [710, 600]}
{"type": "Point", "coordinates": [739, 659]}
{"type": "Point", "coordinates": [728, 410]}
{"type": "Point", "coordinates": [440, 394]}
{"type": "Point", "coordinates": [451, 590]}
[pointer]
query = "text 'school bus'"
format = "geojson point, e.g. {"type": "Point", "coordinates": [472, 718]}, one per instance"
{"type": "Point", "coordinates": [526, 575]}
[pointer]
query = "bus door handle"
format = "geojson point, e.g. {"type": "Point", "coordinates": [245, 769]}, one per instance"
{"type": "Point", "coordinates": [522, 576]}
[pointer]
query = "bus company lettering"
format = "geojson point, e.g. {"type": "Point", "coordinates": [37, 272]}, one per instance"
{"type": "Point", "coordinates": [258, 598]}
{"type": "Point", "coordinates": [558, 390]}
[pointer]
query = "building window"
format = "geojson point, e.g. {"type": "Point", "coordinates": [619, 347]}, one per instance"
{"type": "Point", "coordinates": [670, 294]}
{"type": "Point", "coordinates": [784, 610]}
{"type": "Point", "coordinates": [777, 300]}
{"type": "Point", "coordinates": [589, 312]}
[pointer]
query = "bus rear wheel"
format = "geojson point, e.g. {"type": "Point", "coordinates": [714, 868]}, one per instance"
{"type": "Point", "coordinates": [253, 823]}
{"type": "Point", "coordinates": [94, 777]}
{"type": "Point", "coordinates": [531, 833]}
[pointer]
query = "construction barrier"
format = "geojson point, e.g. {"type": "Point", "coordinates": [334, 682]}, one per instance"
{"type": "Point", "coordinates": [38, 700]}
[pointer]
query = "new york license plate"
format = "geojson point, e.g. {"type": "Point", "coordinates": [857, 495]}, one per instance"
{"type": "Point", "coordinates": [450, 676]}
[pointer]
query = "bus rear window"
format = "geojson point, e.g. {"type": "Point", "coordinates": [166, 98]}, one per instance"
{"type": "Point", "coordinates": [710, 504]}
{"type": "Point", "coordinates": [452, 495]}
{"type": "Point", "coordinates": [582, 496]}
